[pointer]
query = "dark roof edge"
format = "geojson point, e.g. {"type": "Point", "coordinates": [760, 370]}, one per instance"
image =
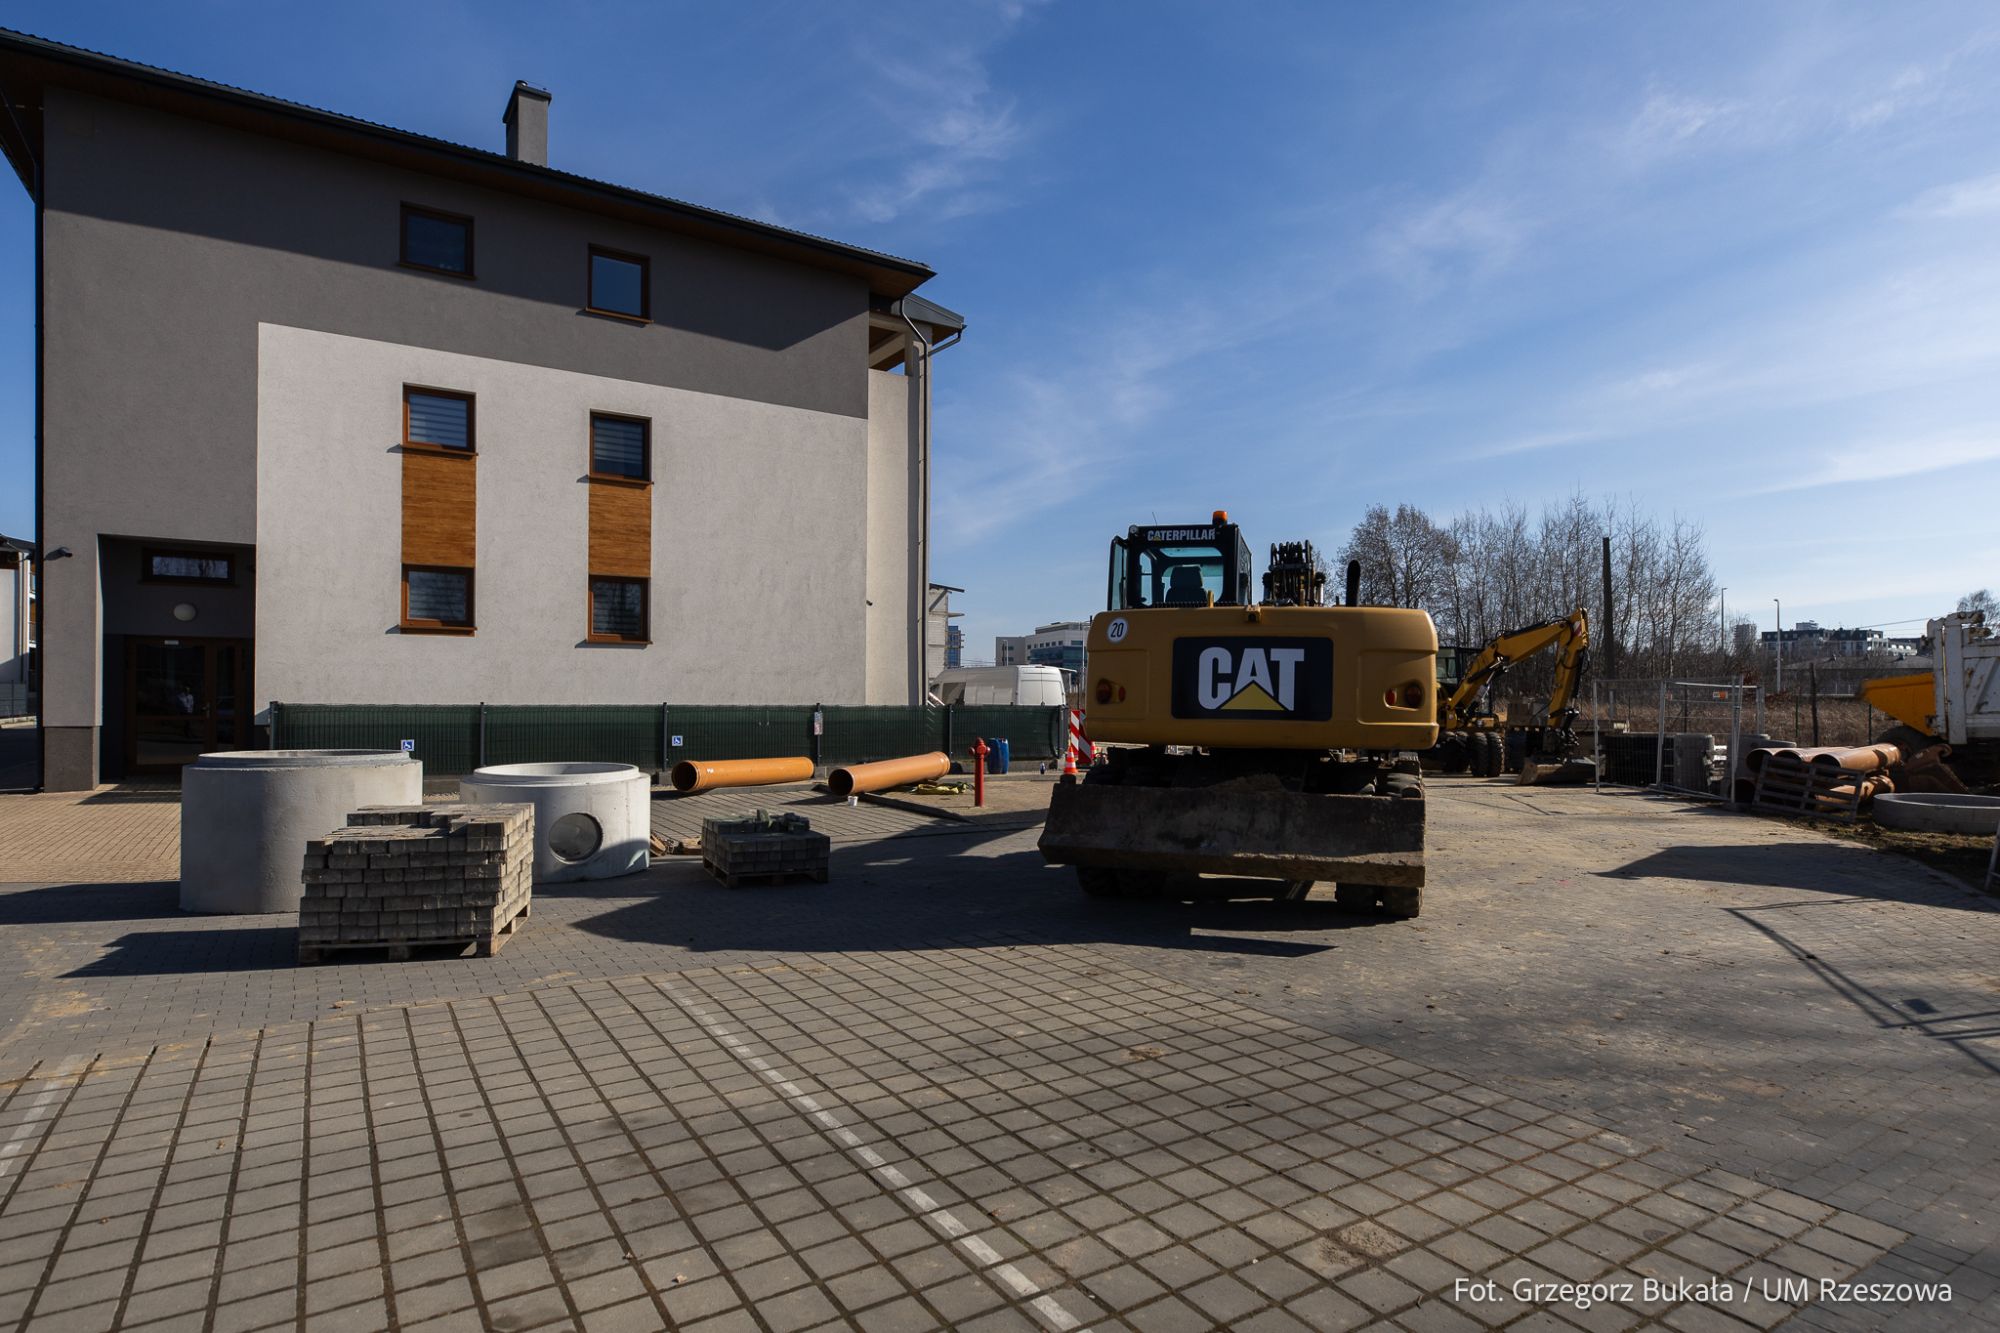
{"type": "Point", "coordinates": [888, 274]}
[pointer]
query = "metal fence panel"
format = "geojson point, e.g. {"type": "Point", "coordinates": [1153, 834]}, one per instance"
{"type": "Point", "coordinates": [1647, 731]}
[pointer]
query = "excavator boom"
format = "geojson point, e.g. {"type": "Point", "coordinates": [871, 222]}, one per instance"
{"type": "Point", "coordinates": [1570, 632]}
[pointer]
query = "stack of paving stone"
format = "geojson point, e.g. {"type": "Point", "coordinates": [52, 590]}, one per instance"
{"type": "Point", "coordinates": [405, 875]}
{"type": "Point", "coordinates": [763, 847]}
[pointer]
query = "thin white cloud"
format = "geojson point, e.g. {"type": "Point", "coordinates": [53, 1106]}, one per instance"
{"type": "Point", "coordinates": [1472, 233]}
{"type": "Point", "coordinates": [1975, 198]}
{"type": "Point", "coordinates": [1669, 121]}
{"type": "Point", "coordinates": [1886, 459]}
{"type": "Point", "coordinates": [956, 130]}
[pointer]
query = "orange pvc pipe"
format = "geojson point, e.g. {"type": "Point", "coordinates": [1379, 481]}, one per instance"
{"type": "Point", "coordinates": [888, 773]}
{"type": "Point", "coordinates": [1859, 758]}
{"type": "Point", "coordinates": [691, 776]}
{"type": "Point", "coordinates": [1757, 758]}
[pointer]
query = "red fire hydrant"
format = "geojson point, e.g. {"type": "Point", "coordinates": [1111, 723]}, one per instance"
{"type": "Point", "coordinates": [979, 753]}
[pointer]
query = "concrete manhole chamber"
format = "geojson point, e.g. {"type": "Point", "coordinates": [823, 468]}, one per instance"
{"type": "Point", "coordinates": [246, 816]}
{"type": "Point", "coordinates": [592, 821]}
{"type": "Point", "coordinates": [1939, 812]}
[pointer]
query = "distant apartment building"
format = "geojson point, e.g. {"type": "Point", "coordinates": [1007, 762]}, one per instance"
{"type": "Point", "coordinates": [331, 412]}
{"type": "Point", "coordinates": [1807, 639]}
{"type": "Point", "coordinates": [1057, 645]}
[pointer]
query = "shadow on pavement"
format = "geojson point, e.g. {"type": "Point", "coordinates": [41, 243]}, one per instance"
{"type": "Point", "coordinates": [902, 893]}
{"type": "Point", "coordinates": [204, 950]}
{"type": "Point", "coordinates": [122, 901]}
{"type": "Point", "coordinates": [889, 896]}
{"type": "Point", "coordinates": [1813, 867]}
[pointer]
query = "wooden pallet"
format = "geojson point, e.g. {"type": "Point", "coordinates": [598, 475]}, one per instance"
{"type": "Point", "coordinates": [743, 877]}
{"type": "Point", "coordinates": [1799, 788]}
{"type": "Point", "coordinates": [484, 946]}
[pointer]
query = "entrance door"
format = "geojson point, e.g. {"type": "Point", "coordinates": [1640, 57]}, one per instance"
{"type": "Point", "coordinates": [183, 698]}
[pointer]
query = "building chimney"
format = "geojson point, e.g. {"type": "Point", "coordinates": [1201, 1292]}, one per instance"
{"type": "Point", "coordinates": [527, 122]}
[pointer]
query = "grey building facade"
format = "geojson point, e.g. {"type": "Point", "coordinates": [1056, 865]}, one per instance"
{"type": "Point", "coordinates": [682, 455]}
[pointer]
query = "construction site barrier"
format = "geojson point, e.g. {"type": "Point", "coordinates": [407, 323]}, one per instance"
{"type": "Point", "coordinates": [454, 739]}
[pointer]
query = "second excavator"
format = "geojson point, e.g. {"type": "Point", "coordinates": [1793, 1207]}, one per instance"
{"type": "Point", "coordinates": [1473, 737]}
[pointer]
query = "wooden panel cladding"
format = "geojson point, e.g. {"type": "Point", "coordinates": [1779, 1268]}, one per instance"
{"type": "Point", "coordinates": [621, 528]}
{"type": "Point", "coordinates": [440, 509]}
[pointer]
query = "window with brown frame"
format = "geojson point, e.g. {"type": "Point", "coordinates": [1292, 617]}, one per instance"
{"type": "Point", "coordinates": [437, 241]}
{"type": "Point", "coordinates": [620, 284]}
{"type": "Point", "coordinates": [160, 565]}
{"type": "Point", "coordinates": [621, 448]}
{"type": "Point", "coordinates": [618, 611]}
{"type": "Point", "coordinates": [438, 419]}
{"type": "Point", "coordinates": [437, 598]}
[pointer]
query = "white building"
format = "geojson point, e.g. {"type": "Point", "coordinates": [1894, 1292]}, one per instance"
{"type": "Point", "coordinates": [623, 449]}
{"type": "Point", "coordinates": [17, 624]}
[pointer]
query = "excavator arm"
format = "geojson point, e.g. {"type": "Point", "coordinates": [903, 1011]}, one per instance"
{"type": "Point", "coordinates": [1571, 633]}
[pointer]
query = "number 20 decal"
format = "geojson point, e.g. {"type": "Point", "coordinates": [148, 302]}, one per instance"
{"type": "Point", "coordinates": [1115, 631]}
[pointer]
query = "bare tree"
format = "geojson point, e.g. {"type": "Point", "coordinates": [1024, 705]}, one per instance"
{"type": "Point", "coordinates": [1981, 600]}
{"type": "Point", "coordinates": [1485, 572]}
{"type": "Point", "coordinates": [1405, 558]}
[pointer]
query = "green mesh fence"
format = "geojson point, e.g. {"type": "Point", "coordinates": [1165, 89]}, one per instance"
{"type": "Point", "coordinates": [451, 739]}
{"type": "Point", "coordinates": [1031, 733]}
{"type": "Point", "coordinates": [446, 735]}
{"type": "Point", "coordinates": [596, 733]}
{"type": "Point", "coordinates": [729, 731]}
{"type": "Point", "coordinates": [857, 735]}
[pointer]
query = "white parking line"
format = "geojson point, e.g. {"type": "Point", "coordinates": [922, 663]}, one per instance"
{"type": "Point", "coordinates": [56, 1083]}
{"type": "Point", "coordinates": [928, 1208]}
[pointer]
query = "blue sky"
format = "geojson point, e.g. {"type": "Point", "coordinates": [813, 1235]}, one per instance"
{"type": "Point", "coordinates": [1739, 262]}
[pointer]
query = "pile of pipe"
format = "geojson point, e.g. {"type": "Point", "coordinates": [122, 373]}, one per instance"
{"type": "Point", "coordinates": [1866, 765]}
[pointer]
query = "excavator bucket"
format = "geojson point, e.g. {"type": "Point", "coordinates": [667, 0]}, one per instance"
{"type": "Point", "coordinates": [1551, 771]}
{"type": "Point", "coordinates": [1251, 831]}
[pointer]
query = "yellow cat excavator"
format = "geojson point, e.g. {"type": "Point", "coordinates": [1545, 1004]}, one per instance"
{"type": "Point", "coordinates": [1472, 737]}
{"type": "Point", "coordinates": [1268, 738]}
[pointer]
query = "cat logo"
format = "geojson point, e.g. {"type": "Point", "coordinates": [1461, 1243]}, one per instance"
{"type": "Point", "coordinates": [1253, 679]}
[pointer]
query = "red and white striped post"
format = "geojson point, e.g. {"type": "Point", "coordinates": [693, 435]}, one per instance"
{"type": "Point", "coordinates": [1079, 744]}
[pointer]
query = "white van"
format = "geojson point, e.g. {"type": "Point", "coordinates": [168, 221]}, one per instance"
{"type": "Point", "coordinates": [1028, 685]}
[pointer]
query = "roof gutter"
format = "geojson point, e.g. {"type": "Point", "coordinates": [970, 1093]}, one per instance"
{"type": "Point", "coordinates": [920, 660]}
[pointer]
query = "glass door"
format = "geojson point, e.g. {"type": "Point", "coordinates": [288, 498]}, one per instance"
{"type": "Point", "coordinates": [184, 698]}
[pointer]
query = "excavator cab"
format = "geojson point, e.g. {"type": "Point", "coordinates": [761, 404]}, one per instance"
{"type": "Point", "coordinates": [1167, 565]}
